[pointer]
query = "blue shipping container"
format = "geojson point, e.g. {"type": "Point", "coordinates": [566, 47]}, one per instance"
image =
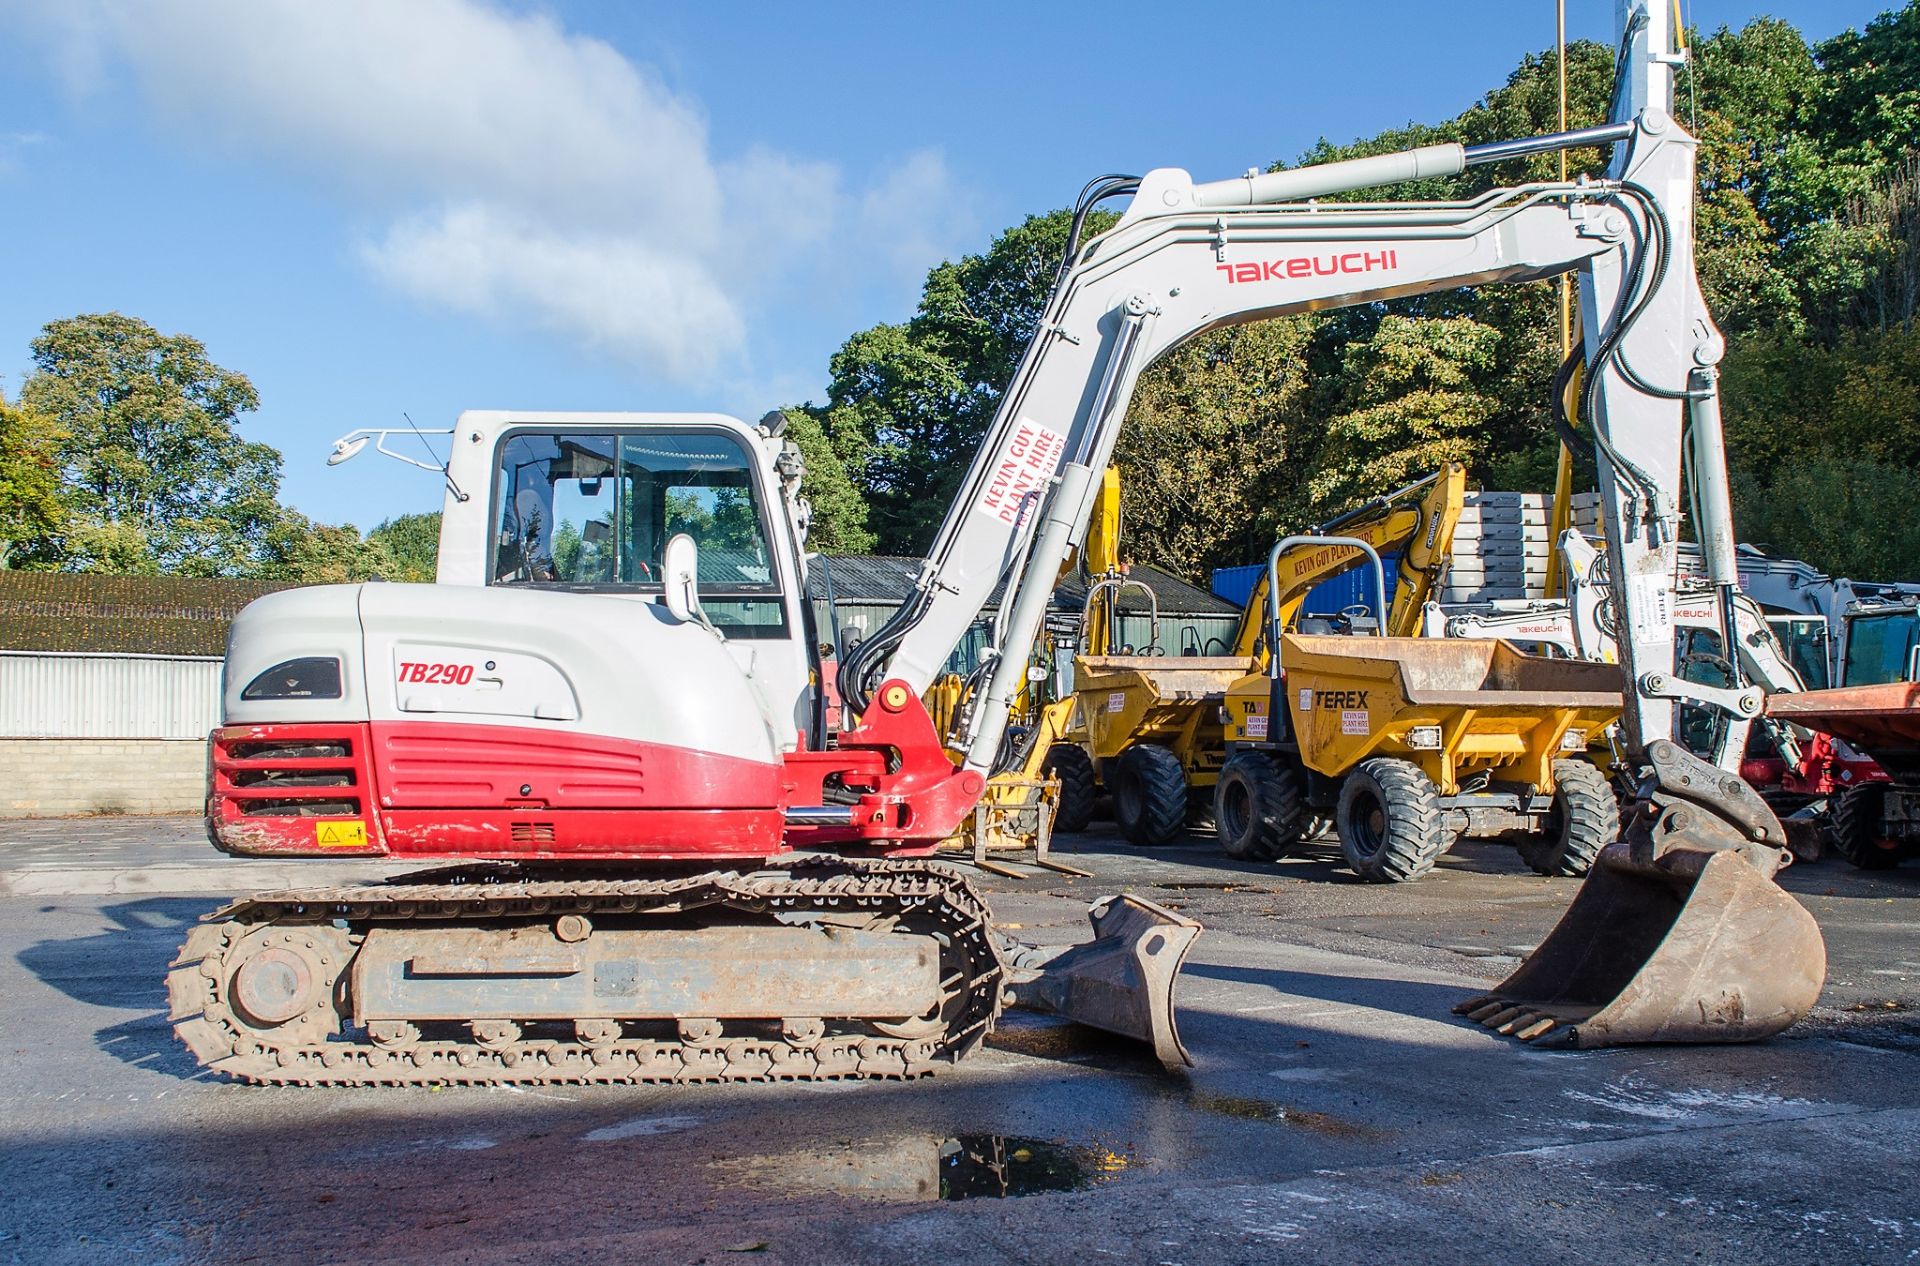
{"type": "Point", "coordinates": [1351, 588]}
{"type": "Point", "coordinates": [1235, 584]}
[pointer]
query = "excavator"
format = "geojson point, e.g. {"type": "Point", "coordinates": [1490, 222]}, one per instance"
{"type": "Point", "coordinates": [1422, 531]}
{"type": "Point", "coordinates": [603, 724]}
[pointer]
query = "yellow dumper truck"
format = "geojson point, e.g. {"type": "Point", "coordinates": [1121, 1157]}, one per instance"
{"type": "Point", "coordinates": [1149, 727]}
{"type": "Point", "coordinates": [1413, 743]}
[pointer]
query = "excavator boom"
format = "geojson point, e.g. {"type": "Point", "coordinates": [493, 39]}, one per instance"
{"type": "Point", "coordinates": [1185, 258]}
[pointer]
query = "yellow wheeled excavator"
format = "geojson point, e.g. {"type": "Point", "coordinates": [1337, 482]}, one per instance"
{"type": "Point", "coordinates": [1421, 530]}
{"type": "Point", "coordinates": [652, 861]}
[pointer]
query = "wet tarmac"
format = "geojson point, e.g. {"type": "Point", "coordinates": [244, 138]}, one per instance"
{"type": "Point", "coordinates": [1337, 1112]}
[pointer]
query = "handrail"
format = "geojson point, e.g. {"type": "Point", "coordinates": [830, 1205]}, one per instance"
{"type": "Point", "coordinates": [1273, 586]}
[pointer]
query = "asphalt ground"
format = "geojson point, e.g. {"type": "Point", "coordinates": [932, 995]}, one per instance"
{"type": "Point", "coordinates": [1338, 1111]}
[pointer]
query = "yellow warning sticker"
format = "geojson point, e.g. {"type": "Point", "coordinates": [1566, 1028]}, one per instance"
{"type": "Point", "coordinates": [340, 834]}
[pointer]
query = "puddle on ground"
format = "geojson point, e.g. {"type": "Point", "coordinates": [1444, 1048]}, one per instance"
{"type": "Point", "coordinates": [1245, 1107]}
{"type": "Point", "coordinates": [927, 1168]}
{"type": "Point", "coordinates": [1248, 1108]}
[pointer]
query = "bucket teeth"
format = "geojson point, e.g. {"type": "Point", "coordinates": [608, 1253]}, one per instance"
{"type": "Point", "coordinates": [1692, 946]}
{"type": "Point", "coordinates": [1511, 1019]}
{"type": "Point", "coordinates": [1500, 1017]}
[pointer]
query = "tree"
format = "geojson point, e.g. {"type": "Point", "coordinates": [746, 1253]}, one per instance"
{"type": "Point", "coordinates": [1214, 447]}
{"type": "Point", "coordinates": [413, 542]}
{"type": "Point", "coordinates": [32, 516]}
{"type": "Point", "coordinates": [1850, 516]}
{"type": "Point", "coordinates": [153, 474]}
{"type": "Point", "coordinates": [908, 404]}
{"type": "Point", "coordinates": [1409, 400]}
{"type": "Point", "coordinates": [298, 549]}
{"type": "Point", "coordinates": [831, 448]}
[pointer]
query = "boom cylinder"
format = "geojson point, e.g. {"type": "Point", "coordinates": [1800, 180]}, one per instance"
{"type": "Point", "coordinates": [989, 722]}
{"type": "Point", "coordinates": [1499, 151]}
{"type": "Point", "coordinates": [1325, 178]}
{"type": "Point", "coordinates": [1708, 458]}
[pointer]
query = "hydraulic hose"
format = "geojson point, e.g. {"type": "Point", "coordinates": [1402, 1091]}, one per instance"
{"type": "Point", "coordinates": [1094, 192]}
{"type": "Point", "coordinates": [861, 672]}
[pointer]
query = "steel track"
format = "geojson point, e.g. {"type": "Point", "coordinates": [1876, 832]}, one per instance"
{"type": "Point", "coordinates": [322, 1049]}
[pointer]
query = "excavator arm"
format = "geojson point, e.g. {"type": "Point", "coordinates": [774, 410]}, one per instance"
{"type": "Point", "coordinates": [1188, 257]}
{"type": "Point", "coordinates": [1423, 532]}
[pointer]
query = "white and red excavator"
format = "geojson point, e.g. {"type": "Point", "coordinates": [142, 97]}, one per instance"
{"type": "Point", "coordinates": [604, 727]}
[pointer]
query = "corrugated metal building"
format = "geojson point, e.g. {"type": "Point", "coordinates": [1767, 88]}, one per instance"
{"type": "Point", "coordinates": [108, 686]}
{"type": "Point", "coordinates": [1352, 588]}
{"type": "Point", "coordinates": [74, 695]}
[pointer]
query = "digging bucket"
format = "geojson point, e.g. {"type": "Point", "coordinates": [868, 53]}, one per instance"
{"type": "Point", "coordinates": [1679, 933]}
{"type": "Point", "coordinates": [1122, 981]}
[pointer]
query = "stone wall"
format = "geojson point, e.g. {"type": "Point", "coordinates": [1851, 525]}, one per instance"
{"type": "Point", "coordinates": [56, 777]}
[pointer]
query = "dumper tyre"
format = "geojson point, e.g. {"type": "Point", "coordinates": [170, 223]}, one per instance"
{"type": "Point", "coordinates": [1584, 819]}
{"type": "Point", "coordinates": [1070, 763]}
{"type": "Point", "coordinates": [1259, 807]}
{"type": "Point", "coordinates": [1390, 822]}
{"type": "Point", "coordinates": [1854, 827]}
{"type": "Point", "coordinates": [1149, 795]}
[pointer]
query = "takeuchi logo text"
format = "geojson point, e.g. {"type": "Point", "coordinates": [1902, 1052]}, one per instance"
{"type": "Point", "coordinates": [1311, 266]}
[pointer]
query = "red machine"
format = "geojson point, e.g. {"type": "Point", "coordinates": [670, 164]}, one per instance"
{"type": "Point", "coordinates": [1874, 823]}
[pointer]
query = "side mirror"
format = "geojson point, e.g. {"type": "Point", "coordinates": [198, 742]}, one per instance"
{"type": "Point", "coordinates": [680, 570]}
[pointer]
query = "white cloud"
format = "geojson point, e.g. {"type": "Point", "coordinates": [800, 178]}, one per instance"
{"type": "Point", "coordinates": [614, 292]}
{"type": "Point", "coordinates": [14, 146]}
{"type": "Point", "coordinates": [914, 215]}
{"type": "Point", "coordinates": [530, 174]}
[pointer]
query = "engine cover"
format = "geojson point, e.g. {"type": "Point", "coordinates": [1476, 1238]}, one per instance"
{"type": "Point", "coordinates": [465, 722]}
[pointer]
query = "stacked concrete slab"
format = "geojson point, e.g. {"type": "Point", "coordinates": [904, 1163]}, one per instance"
{"type": "Point", "coordinates": [1503, 540]}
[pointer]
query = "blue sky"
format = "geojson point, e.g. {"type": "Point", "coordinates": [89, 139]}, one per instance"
{"type": "Point", "coordinates": [373, 207]}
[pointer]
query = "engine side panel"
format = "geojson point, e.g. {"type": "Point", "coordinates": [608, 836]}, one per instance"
{"type": "Point", "coordinates": [482, 792]}
{"type": "Point", "coordinates": [473, 723]}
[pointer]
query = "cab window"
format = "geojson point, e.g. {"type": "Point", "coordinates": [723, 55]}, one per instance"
{"type": "Point", "coordinates": [594, 512]}
{"type": "Point", "coordinates": [1880, 648]}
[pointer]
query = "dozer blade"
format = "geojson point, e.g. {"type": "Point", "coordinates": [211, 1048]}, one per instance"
{"type": "Point", "coordinates": [1122, 981]}
{"type": "Point", "coordinates": [1679, 934]}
